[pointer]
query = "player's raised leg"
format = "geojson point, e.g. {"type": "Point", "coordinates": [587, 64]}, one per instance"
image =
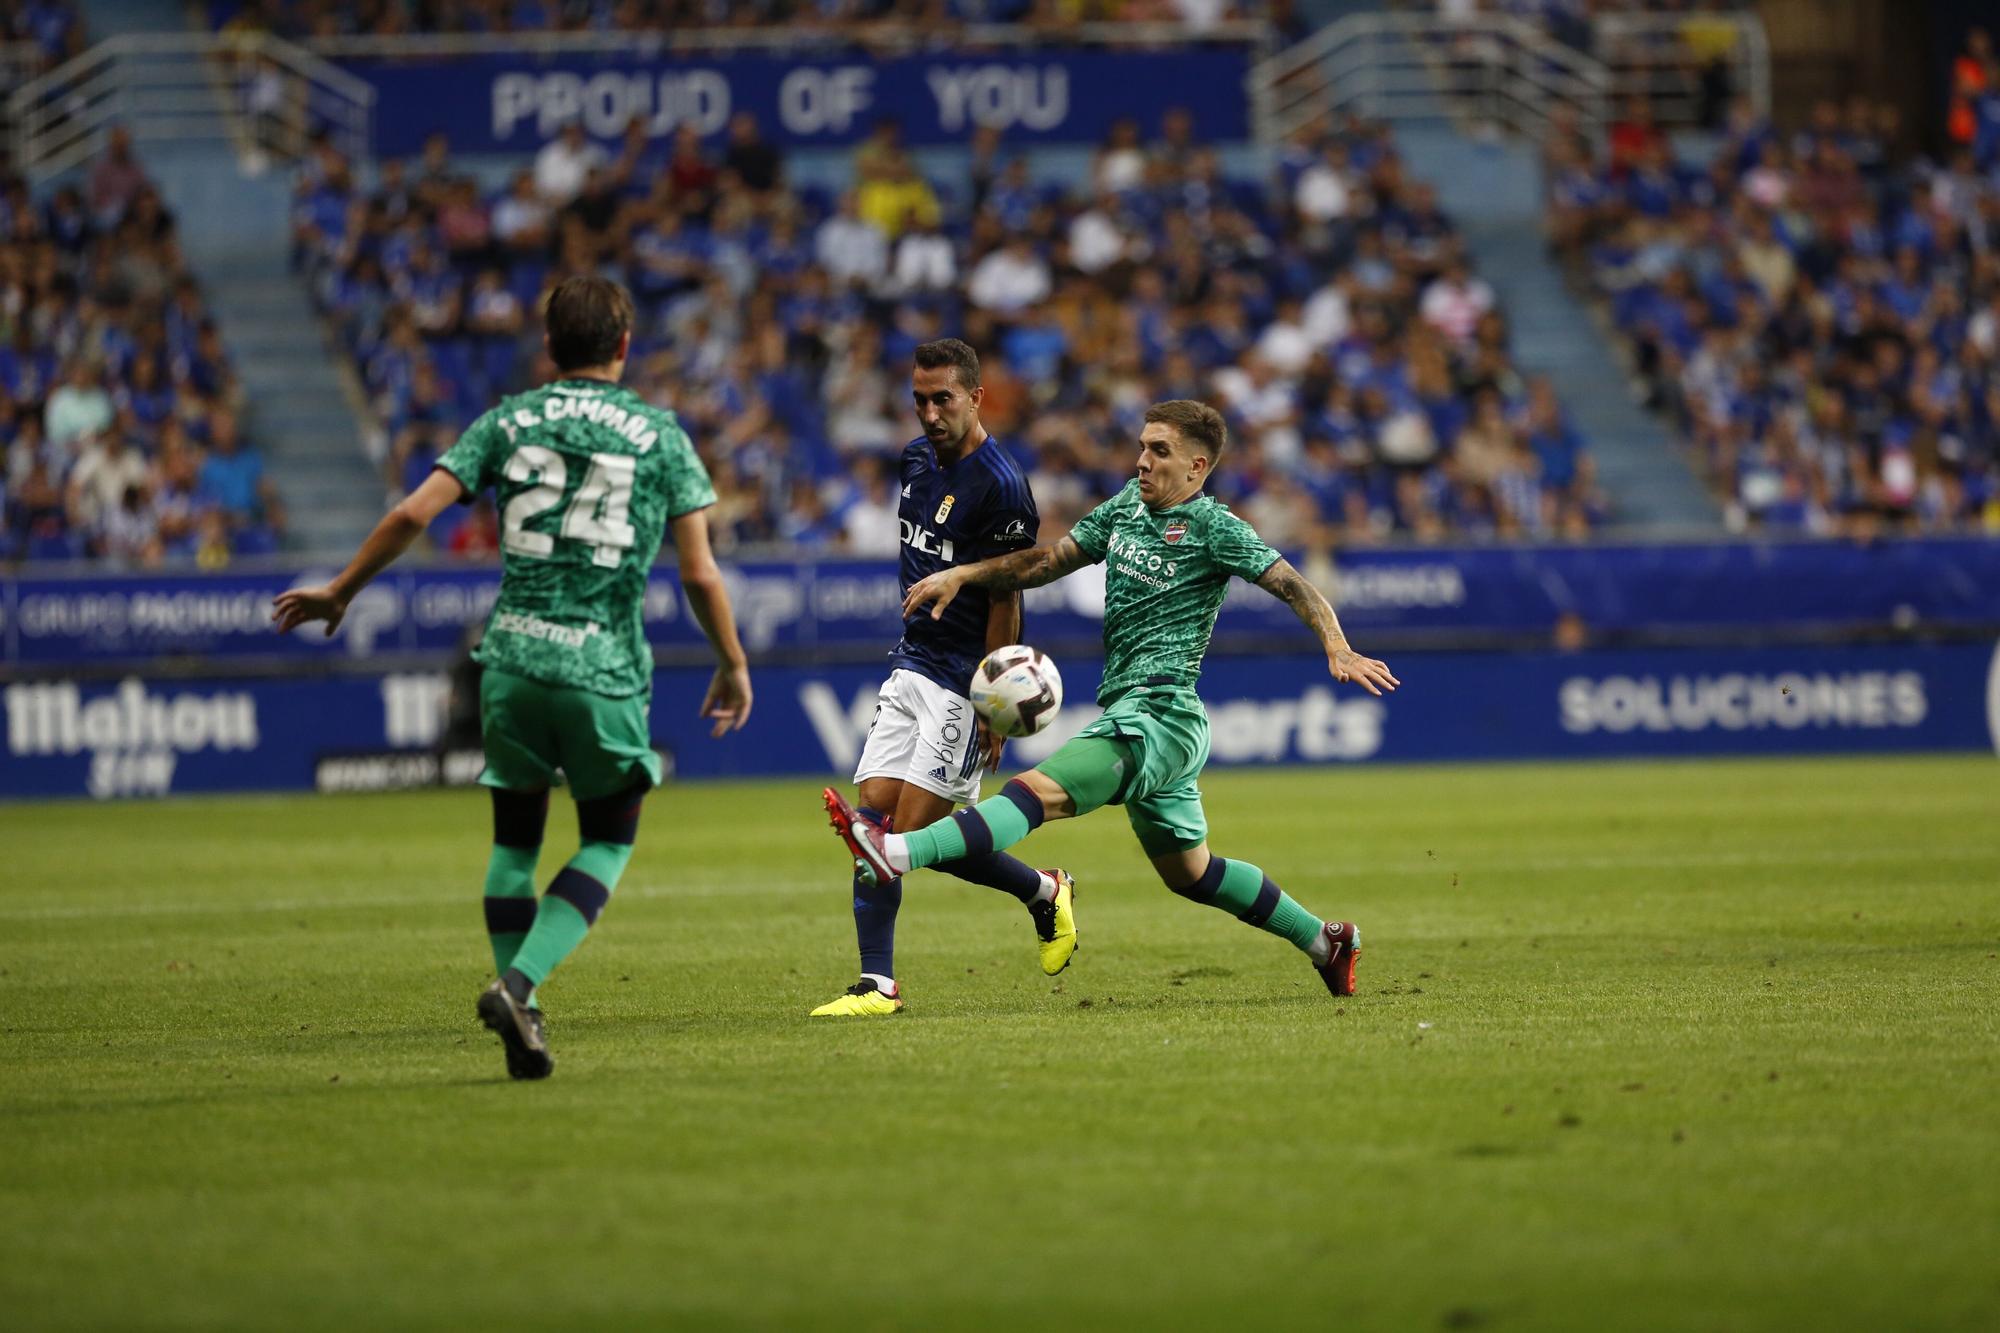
{"type": "Point", "coordinates": [1084, 774]}
{"type": "Point", "coordinates": [1049, 895]}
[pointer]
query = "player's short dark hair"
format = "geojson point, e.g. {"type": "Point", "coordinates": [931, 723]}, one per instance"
{"type": "Point", "coordinates": [954, 353]}
{"type": "Point", "coordinates": [586, 317]}
{"type": "Point", "coordinates": [1198, 423]}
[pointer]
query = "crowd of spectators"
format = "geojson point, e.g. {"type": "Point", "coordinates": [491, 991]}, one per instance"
{"type": "Point", "coordinates": [1819, 312]}
{"type": "Point", "coordinates": [118, 408]}
{"type": "Point", "coordinates": [898, 22]}
{"type": "Point", "coordinates": [1573, 21]}
{"type": "Point", "coordinates": [38, 35]}
{"type": "Point", "coordinates": [1682, 52]}
{"type": "Point", "coordinates": [1330, 312]}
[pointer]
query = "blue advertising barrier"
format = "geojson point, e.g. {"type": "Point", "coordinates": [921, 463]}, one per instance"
{"type": "Point", "coordinates": [143, 736]}
{"type": "Point", "coordinates": [848, 608]}
{"type": "Point", "coordinates": [515, 103]}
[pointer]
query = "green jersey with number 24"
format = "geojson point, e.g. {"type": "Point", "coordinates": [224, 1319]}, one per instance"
{"type": "Point", "coordinates": [587, 476]}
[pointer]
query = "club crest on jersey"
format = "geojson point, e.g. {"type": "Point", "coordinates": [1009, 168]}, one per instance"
{"type": "Point", "coordinates": [1176, 530]}
{"type": "Point", "coordinates": [944, 509]}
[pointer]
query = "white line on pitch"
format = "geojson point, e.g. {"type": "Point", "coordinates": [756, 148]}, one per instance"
{"type": "Point", "coordinates": [1443, 865]}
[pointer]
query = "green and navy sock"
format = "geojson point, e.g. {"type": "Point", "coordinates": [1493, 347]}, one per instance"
{"type": "Point", "coordinates": [994, 825]}
{"type": "Point", "coordinates": [1248, 894]}
{"type": "Point", "coordinates": [518, 819]}
{"type": "Point", "coordinates": [578, 894]}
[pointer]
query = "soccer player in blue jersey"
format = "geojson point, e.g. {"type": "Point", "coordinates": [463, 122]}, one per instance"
{"type": "Point", "coordinates": [964, 500]}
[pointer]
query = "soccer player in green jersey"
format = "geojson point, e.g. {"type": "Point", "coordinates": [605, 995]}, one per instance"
{"type": "Point", "coordinates": [588, 478]}
{"type": "Point", "coordinates": [1169, 553]}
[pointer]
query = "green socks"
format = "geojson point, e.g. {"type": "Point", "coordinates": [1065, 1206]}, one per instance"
{"type": "Point", "coordinates": [1001, 825]}
{"type": "Point", "coordinates": [994, 825]}
{"type": "Point", "coordinates": [570, 907]}
{"type": "Point", "coordinates": [510, 900]}
{"type": "Point", "coordinates": [1247, 893]}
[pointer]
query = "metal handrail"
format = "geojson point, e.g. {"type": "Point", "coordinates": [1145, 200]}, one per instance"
{"type": "Point", "coordinates": [1418, 66]}
{"type": "Point", "coordinates": [1413, 66]}
{"type": "Point", "coordinates": [184, 87]}
{"type": "Point", "coordinates": [1614, 33]}
{"type": "Point", "coordinates": [18, 60]}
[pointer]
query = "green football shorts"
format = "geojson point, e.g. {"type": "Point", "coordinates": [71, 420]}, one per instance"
{"type": "Point", "coordinates": [1145, 752]}
{"type": "Point", "coordinates": [601, 745]}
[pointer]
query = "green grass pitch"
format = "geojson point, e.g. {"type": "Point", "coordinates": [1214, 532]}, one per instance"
{"type": "Point", "coordinates": [1693, 1045]}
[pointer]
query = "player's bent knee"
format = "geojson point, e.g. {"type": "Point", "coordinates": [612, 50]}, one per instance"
{"type": "Point", "coordinates": [1193, 874]}
{"type": "Point", "coordinates": [1055, 800]}
{"type": "Point", "coordinates": [917, 808]}
{"type": "Point", "coordinates": [612, 818]}
{"type": "Point", "coordinates": [880, 794]}
{"type": "Point", "coordinates": [519, 817]}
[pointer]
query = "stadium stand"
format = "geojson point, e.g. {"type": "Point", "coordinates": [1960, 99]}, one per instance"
{"type": "Point", "coordinates": [1818, 312]}
{"type": "Point", "coordinates": [1366, 369]}
{"type": "Point", "coordinates": [868, 21]}
{"type": "Point", "coordinates": [36, 35]}
{"type": "Point", "coordinates": [119, 419]}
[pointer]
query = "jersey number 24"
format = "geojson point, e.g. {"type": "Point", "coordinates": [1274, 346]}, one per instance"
{"type": "Point", "coordinates": [597, 515]}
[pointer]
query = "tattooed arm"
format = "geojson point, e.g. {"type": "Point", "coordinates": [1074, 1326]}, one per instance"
{"type": "Point", "coordinates": [1003, 573]}
{"type": "Point", "coordinates": [1290, 587]}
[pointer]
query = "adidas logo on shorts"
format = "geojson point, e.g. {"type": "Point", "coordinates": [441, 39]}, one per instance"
{"type": "Point", "coordinates": [940, 774]}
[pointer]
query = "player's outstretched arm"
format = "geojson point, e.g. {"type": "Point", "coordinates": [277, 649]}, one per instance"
{"type": "Point", "coordinates": [1003, 573]}
{"type": "Point", "coordinates": [392, 536]}
{"type": "Point", "coordinates": [1290, 587]}
{"type": "Point", "coordinates": [728, 697]}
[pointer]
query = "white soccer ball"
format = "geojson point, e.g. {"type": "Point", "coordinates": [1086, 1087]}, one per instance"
{"type": "Point", "coordinates": [1017, 689]}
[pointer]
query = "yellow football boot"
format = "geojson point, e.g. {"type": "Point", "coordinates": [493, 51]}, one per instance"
{"type": "Point", "coordinates": [862, 1000]}
{"type": "Point", "coordinates": [1055, 923]}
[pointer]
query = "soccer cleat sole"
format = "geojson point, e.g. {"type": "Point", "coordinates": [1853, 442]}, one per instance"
{"type": "Point", "coordinates": [523, 1061]}
{"type": "Point", "coordinates": [826, 1011]}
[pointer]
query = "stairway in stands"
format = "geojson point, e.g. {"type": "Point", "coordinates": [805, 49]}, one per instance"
{"type": "Point", "coordinates": [1492, 190]}
{"type": "Point", "coordinates": [233, 230]}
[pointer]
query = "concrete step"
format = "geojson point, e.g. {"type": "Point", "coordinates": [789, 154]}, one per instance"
{"type": "Point", "coordinates": [299, 395]}
{"type": "Point", "coordinates": [345, 464]}
{"type": "Point", "coordinates": [267, 333]}
{"type": "Point", "coordinates": [1492, 188]}
{"type": "Point", "coordinates": [279, 370]}
{"type": "Point", "coordinates": [274, 298]}
{"type": "Point", "coordinates": [341, 525]}
{"type": "Point", "coordinates": [276, 414]}
{"type": "Point", "coordinates": [298, 411]}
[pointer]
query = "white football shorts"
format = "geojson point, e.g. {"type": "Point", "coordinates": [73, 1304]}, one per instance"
{"type": "Point", "coordinates": [923, 734]}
